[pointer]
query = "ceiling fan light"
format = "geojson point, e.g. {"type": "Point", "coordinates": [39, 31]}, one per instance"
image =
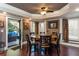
{"type": "Point", "coordinates": [43, 12]}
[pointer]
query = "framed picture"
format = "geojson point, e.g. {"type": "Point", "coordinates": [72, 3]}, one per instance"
{"type": "Point", "coordinates": [1, 23]}
{"type": "Point", "coordinates": [53, 24]}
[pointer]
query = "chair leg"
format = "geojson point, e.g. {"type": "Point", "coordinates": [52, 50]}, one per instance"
{"type": "Point", "coordinates": [49, 51]}
{"type": "Point", "coordinates": [30, 50]}
{"type": "Point", "coordinates": [58, 51]}
{"type": "Point", "coordinates": [35, 49]}
{"type": "Point", "coordinates": [44, 52]}
{"type": "Point", "coordinates": [40, 52]}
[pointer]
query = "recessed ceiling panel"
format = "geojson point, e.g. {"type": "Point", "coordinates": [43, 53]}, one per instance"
{"type": "Point", "coordinates": [35, 8]}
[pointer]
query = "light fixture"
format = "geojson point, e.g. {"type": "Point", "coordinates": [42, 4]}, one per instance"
{"type": "Point", "coordinates": [43, 12]}
{"type": "Point", "coordinates": [77, 9]}
{"type": "Point", "coordinates": [4, 13]}
{"type": "Point", "coordinates": [2, 30]}
{"type": "Point", "coordinates": [44, 8]}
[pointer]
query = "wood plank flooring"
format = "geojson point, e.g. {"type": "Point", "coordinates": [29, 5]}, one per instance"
{"type": "Point", "coordinates": [65, 51]}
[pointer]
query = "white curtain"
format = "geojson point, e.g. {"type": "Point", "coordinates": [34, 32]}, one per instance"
{"type": "Point", "coordinates": [73, 29]}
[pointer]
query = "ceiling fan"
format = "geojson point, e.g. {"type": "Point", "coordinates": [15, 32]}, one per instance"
{"type": "Point", "coordinates": [46, 9]}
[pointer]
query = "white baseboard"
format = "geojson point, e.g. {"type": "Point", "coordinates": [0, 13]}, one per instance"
{"type": "Point", "coordinates": [69, 44]}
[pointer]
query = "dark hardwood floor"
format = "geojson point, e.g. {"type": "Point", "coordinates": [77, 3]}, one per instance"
{"type": "Point", "coordinates": [65, 51]}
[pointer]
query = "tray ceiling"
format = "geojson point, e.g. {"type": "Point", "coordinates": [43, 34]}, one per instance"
{"type": "Point", "coordinates": [35, 8]}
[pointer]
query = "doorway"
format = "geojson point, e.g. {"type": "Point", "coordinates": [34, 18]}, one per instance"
{"type": "Point", "coordinates": [14, 33]}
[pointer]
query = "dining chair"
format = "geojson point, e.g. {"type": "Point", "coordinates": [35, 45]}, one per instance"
{"type": "Point", "coordinates": [55, 43]}
{"type": "Point", "coordinates": [32, 33]}
{"type": "Point", "coordinates": [44, 44]}
{"type": "Point", "coordinates": [31, 45]}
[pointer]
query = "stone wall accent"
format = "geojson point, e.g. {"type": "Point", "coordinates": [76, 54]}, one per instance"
{"type": "Point", "coordinates": [65, 30]}
{"type": "Point", "coordinates": [26, 27]}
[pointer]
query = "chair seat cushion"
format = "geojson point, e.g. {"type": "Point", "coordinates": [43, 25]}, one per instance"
{"type": "Point", "coordinates": [53, 42]}
{"type": "Point", "coordinates": [44, 46]}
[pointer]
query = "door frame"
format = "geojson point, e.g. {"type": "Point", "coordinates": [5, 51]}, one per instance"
{"type": "Point", "coordinates": [19, 20]}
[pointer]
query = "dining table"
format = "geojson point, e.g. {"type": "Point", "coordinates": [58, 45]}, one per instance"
{"type": "Point", "coordinates": [37, 37]}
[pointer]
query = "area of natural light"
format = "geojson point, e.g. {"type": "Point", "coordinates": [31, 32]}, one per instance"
{"type": "Point", "coordinates": [41, 27]}
{"type": "Point", "coordinates": [32, 27]}
{"type": "Point", "coordinates": [73, 29]}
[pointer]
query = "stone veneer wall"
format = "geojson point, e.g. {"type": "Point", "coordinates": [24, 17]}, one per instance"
{"type": "Point", "coordinates": [65, 30]}
{"type": "Point", "coordinates": [36, 28]}
{"type": "Point", "coordinates": [26, 28]}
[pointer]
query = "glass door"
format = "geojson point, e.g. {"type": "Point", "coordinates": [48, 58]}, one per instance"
{"type": "Point", "coordinates": [14, 35]}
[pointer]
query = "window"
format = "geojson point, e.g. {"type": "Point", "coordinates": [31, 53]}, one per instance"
{"type": "Point", "coordinates": [32, 29]}
{"type": "Point", "coordinates": [73, 29]}
{"type": "Point", "coordinates": [42, 28]}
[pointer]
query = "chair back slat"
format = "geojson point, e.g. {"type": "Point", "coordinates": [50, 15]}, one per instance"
{"type": "Point", "coordinates": [45, 40]}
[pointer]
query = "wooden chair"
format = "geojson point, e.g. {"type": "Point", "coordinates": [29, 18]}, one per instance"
{"type": "Point", "coordinates": [30, 43]}
{"type": "Point", "coordinates": [56, 42]}
{"type": "Point", "coordinates": [29, 46]}
{"type": "Point", "coordinates": [44, 43]}
{"type": "Point", "coordinates": [32, 33]}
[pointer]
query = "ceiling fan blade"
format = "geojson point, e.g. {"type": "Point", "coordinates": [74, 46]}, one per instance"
{"type": "Point", "coordinates": [50, 11]}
